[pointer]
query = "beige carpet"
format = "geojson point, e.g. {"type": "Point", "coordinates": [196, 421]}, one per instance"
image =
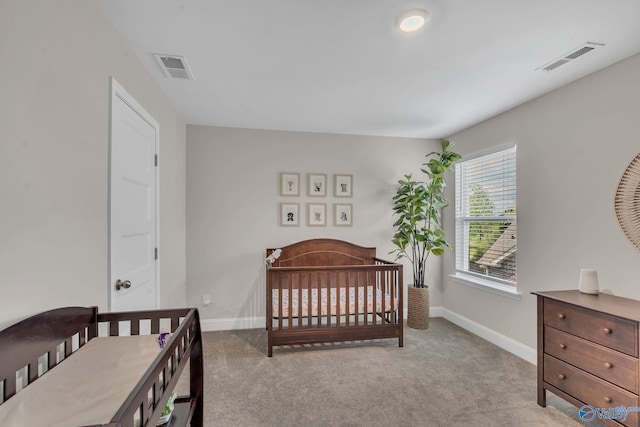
{"type": "Point", "coordinates": [444, 376]}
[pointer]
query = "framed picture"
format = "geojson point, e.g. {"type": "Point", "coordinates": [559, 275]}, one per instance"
{"type": "Point", "coordinates": [343, 214]}
{"type": "Point", "coordinates": [289, 214]}
{"type": "Point", "coordinates": [317, 183]}
{"type": "Point", "coordinates": [343, 185]}
{"type": "Point", "coordinates": [289, 184]}
{"type": "Point", "coordinates": [316, 214]}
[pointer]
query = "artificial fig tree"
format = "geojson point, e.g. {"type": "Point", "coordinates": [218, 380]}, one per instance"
{"type": "Point", "coordinates": [418, 206]}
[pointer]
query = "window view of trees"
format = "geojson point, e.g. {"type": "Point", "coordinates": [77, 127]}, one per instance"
{"type": "Point", "coordinates": [488, 244]}
{"type": "Point", "coordinates": [486, 230]}
{"type": "Point", "coordinates": [481, 234]}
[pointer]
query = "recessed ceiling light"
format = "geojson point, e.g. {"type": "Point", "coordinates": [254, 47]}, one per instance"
{"type": "Point", "coordinates": [413, 20]}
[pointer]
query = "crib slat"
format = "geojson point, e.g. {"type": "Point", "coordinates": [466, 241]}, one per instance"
{"type": "Point", "coordinates": [290, 294]}
{"type": "Point", "coordinates": [356, 299]}
{"type": "Point", "coordinates": [348, 299]}
{"type": "Point", "coordinates": [371, 314]}
{"type": "Point", "coordinates": [280, 313]}
{"type": "Point", "coordinates": [82, 337]}
{"type": "Point", "coordinates": [32, 371]}
{"type": "Point", "coordinates": [274, 286]}
{"type": "Point", "coordinates": [303, 279]}
{"type": "Point", "coordinates": [327, 285]}
{"type": "Point", "coordinates": [114, 328]}
{"type": "Point", "coordinates": [9, 388]}
{"type": "Point", "coordinates": [52, 358]}
{"type": "Point", "coordinates": [309, 301]}
{"type": "Point", "coordinates": [374, 296]}
{"type": "Point", "coordinates": [338, 300]}
{"type": "Point", "coordinates": [386, 297]}
{"type": "Point", "coordinates": [362, 287]}
{"type": "Point", "coordinates": [135, 327]}
{"type": "Point", "coordinates": [392, 293]}
{"type": "Point", "coordinates": [68, 347]}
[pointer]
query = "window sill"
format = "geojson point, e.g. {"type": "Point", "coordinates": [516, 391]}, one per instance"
{"type": "Point", "coordinates": [487, 286]}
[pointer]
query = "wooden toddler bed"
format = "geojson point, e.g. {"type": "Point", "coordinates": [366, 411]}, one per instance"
{"type": "Point", "coordinates": [326, 290]}
{"type": "Point", "coordinates": [69, 367]}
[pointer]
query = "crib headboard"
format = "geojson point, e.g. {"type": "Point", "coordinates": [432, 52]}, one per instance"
{"type": "Point", "coordinates": [322, 252]}
{"type": "Point", "coordinates": [42, 334]}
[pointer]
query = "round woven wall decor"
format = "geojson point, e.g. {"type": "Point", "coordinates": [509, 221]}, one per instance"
{"type": "Point", "coordinates": [627, 202]}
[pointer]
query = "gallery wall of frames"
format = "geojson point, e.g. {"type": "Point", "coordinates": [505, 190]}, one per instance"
{"type": "Point", "coordinates": [328, 204]}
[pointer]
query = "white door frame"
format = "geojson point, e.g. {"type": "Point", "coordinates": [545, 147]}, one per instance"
{"type": "Point", "coordinates": [116, 89]}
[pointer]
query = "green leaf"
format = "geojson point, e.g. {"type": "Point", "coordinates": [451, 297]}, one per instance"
{"type": "Point", "coordinates": [417, 207]}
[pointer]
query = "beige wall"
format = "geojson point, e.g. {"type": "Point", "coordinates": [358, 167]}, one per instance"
{"type": "Point", "coordinates": [573, 146]}
{"type": "Point", "coordinates": [54, 86]}
{"type": "Point", "coordinates": [233, 197]}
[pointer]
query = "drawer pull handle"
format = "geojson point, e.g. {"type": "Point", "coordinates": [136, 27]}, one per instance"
{"type": "Point", "coordinates": [563, 346]}
{"type": "Point", "coordinates": [608, 365]}
{"type": "Point", "coordinates": [562, 376]}
{"type": "Point", "coordinates": [561, 316]}
{"type": "Point", "coordinates": [608, 399]}
{"type": "Point", "coordinates": [606, 330]}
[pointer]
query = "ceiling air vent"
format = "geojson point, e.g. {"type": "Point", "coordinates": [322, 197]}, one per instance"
{"type": "Point", "coordinates": [570, 56]}
{"type": "Point", "coordinates": [579, 52]}
{"type": "Point", "coordinates": [555, 64]}
{"type": "Point", "coordinates": [174, 66]}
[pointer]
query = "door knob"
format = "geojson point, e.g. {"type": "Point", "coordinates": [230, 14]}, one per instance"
{"type": "Point", "coordinates": [120, 284]}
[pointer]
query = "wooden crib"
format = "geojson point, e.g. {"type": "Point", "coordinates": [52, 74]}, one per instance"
{"type": "Point", "coordinates": [73, 366]}
{"type": "Point", "coordinates": [327, 290]}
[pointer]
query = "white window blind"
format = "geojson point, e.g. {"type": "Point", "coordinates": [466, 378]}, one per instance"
{"type": "Point", "coordinates": [486, 217]}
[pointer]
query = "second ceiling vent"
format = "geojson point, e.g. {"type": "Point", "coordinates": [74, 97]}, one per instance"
{"type": "Point", "coordinates": [174, 66]}
{"type": "Point", "coordinates": [570, 56]}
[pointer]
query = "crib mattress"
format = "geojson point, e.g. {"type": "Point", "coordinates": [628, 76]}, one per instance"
{"type": "Point", "coordinates": [86, 388]}
{"type": "Point", "coordinates": [322, 309]}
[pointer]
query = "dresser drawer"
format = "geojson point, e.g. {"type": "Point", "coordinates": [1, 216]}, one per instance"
{"type": "Point", "coordinates": [610, 331]}
{"type": "Point", "coordinates": [610, 365]}
{"type": "Point", "coordinates": [587, 388]}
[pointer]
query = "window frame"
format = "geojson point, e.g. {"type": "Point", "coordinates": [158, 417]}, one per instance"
{"type": "Point", "coordinates": [465, 276]}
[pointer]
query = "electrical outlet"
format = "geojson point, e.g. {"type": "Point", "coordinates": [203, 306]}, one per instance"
{"type": "Point", "coordinates": [206, 299]}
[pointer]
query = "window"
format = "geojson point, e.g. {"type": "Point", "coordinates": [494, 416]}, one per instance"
{"type": "Point", "coordinates": [486, 230]}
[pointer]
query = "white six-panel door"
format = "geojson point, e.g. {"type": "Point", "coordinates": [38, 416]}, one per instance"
{"type": "Point", "coordinates": [133, 283]}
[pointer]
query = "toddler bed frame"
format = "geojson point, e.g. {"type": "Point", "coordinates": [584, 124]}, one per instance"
{"type": "Point", "coordinates": [41, 359]}
{"type": "Point", "coordinates": [327, 290]}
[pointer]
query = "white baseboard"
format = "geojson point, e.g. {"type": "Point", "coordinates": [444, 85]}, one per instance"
{"type": "Point", "coordinates": [525, 352]}
{"type": "Point", "coordinates": [512, 346]}
{"type": "Point", "coordinates": [230, 324]}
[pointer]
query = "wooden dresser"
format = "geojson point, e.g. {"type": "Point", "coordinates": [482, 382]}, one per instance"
{"type": "Point", "coordinates": [588, 350]}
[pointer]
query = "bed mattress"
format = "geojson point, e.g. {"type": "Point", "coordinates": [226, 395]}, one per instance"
{"type": "Point", "coordinates": [86, 388]}
{"type": "Point", "coordinates": [330, 301]}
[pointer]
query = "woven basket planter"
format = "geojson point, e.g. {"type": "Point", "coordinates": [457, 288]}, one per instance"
{"type": "Point", "coordinates": [418, 307]}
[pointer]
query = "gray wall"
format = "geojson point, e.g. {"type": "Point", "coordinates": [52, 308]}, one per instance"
{"type": "Point", "coordinates": [54, 117]}
{"type": "Point", "coordinates": [233, 197]}
{"type": "Point", "coordinates": [573, 146]}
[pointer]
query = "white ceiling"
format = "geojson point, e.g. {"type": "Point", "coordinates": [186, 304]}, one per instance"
{"type": "Point", "coordinates": [342, 66]}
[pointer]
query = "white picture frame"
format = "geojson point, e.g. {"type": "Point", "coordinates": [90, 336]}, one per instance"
{"type": "Point", "coordinates": [290, 214]}
{"type": "Point", "coordinates": [316, 214]}
{"type": "Point", "coordinates": [317, 184]}
{"type": "Point", "coordinates": [343, 185]}
{"type": "Point", "coordinates": [289, 184]}
{"type": "Point", "coordinates": [343, 214]}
